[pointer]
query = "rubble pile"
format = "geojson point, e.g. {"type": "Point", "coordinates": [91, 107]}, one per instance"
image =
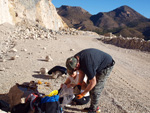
{"type": "Point", "coordinates": [30, 30]}
{"type": "Point", "coordinates": [129, 42]}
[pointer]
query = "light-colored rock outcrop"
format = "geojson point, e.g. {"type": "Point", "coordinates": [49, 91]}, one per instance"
{"type": "Point", "coordinates": [42, 12]}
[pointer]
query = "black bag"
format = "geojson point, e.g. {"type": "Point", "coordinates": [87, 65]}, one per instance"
{"type": "Point", "coordinates": [58, 68]}
{"type": "Point", "coordinates": [31, 105]}
{"type": "Point", "coordinates": [50, 105]}
{"type": "Point", "coordinates": [38, 104]}
{"type": "Point", "coordinates": [4, 106]}
{"type": "Point", "coordinates": [21, 108]}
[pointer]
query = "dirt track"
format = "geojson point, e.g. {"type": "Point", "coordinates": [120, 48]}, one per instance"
{"type": "Point", "coordinates": [126, 90]}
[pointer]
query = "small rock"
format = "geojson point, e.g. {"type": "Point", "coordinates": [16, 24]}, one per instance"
{"type": "Point", "coordinates": [44, 48]}
{"type": "Point", "coordinates": [71, 49]}
{"type": "Point", "coordinates": [43, 71]}
{"type": "Point", "coordinates": [3, 69]}
{"type": "Point", "coordinates": [24, 50]}
{"type": "Point", "coordinates": [2, 60]}
{"type": "Point", "coordinates": [30, 53]}
{"type": "Point", "coordinates": [48, 58]}
{"type": "Point", "coordinates": [14, 57]}
{"type": "Point", "coordinates": [13, 50]}
{"type": "Point", "coordinates": [17, 56]}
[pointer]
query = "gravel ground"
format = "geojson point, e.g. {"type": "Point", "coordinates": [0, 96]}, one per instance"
{"type": "Point", "coordinates": [126, 90]}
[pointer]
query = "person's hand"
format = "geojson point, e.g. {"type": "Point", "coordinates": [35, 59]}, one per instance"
{"type": "Point", "coordinates": [80, 96]}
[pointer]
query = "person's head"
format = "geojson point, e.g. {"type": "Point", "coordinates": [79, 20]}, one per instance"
{"type": "Point", "coordinates": [72, 65]}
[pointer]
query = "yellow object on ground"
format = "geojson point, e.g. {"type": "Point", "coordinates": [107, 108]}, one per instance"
{"type": "Point", "coordinates": [45, 82]}
{"type": "Point", "coordinates": [39, 82]}
{"type": "Point", "coordinates": [55, 92]}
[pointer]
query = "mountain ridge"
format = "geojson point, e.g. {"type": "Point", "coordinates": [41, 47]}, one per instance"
{"type": "Point", "coordinates": [123, 21]}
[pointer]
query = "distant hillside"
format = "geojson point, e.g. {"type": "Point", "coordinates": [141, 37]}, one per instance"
{"type": "Point", "coordinates": [76, 17]}
{"type": "Point", "coordinates": [121, 21]}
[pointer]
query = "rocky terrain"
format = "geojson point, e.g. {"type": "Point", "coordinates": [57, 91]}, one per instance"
{"type": "Point", "coordinates": [23, 55]}
{"type": "Point", "coordinates": [31, 41]}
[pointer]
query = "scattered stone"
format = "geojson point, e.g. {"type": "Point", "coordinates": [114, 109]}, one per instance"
{"type": "Point", "coordinates": [3, 69]}
{"type": "Point", "coordinates": [44, 48]}
{"type": "Point", "coordinates": [14, 57]}
{"type": "Point", "coordinates": [2, 60]}
{"type": "Point", "coordinates": [72, 50]}
{"type": "Point", "coordinates": [24, 50]}
{"type": "Point", "coordinates": [29, 30]}
{"type": "Point", "coordinates": [17, 56]}
{"type": "Point", "coordinates": [13, 50]}
{"type": "Point", "coordinates": [48, 58]}
{"type": "Point", "coordinates": [30, 53]}
{"type": "Point", "coordinates": [43, 71]}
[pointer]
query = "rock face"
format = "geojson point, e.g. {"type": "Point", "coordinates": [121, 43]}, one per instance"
{"type": "Point", "coordinates": [42, 12]}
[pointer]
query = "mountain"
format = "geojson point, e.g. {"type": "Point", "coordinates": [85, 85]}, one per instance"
{"type": "Point", "coordinates": [123, 21]}
{"type": "Point", "coordinates": [119, 17]}
{"type": "Point", "coordinates": [125, 14]}
{"type": "Point", "coordinates": [76, 17]}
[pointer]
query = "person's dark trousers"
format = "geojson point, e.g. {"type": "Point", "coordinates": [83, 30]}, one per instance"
{"type": "Point", "coordinates": [96, 91]}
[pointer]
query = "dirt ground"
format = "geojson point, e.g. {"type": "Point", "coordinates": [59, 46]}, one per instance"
{"type": "Point", "coordinates": [127, 90]}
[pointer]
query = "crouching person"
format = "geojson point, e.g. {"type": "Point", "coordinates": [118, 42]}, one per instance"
{"type": "Point", "coordinates": [97, 66]}
{"type": "Point", "coordinates": [72, 83]}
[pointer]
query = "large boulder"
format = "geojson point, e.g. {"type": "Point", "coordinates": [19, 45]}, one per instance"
{"type": "Point", "coordinates": [42, 12]}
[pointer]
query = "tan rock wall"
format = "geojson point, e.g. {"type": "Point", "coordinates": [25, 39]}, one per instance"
{"type": "Point", "coordinates": [42, 12]}
{"type": "Point", "coordinates": [4, 12]}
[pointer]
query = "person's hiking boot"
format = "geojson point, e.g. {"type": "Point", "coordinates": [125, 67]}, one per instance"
{"type": "Point", "coordinates": [91, 110]}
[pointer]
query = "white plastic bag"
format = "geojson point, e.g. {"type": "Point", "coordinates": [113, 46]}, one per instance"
{"type": "Point", "coordinates": [66, 94]}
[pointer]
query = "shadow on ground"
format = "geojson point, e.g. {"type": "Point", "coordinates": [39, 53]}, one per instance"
{"type": "Point", "coordinates": [42, 76]}
{"type": "Point", "coordinates": [69, 109]}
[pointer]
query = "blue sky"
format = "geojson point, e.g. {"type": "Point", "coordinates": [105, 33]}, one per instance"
{"type": "Point", "coordinates": [96, 6]}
